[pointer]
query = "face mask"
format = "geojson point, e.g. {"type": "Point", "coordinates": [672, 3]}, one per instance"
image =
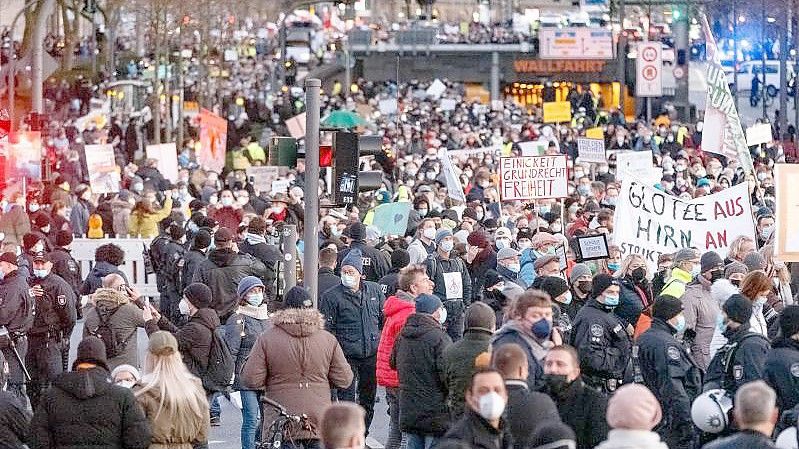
{"type": "Point", "coordinates": [349, 281]}
{"type": "Point", "coordinates": [695, 270]}
{"type": "Point", "coordinates": [556, 382]}
{"type": "Point", "coordinates": [503, 243]}
{"type": "Point", "coordinates": [46, 229]}
{"type": "Point", "coordinates": [611, 300]}
{"type": "Point", "coordinates": [38, 248]}
{"type": "Point", "coordinates": [566, 298]}
{"type": "Point", "coordinates": [766, 232]}
{"type": "Point", "coordinates": [639, 273]}
{"type": "Point", "coordinates": [720, 323]}
{"type": "Point", "coordinates": [213, 200]}
{"type": "Point", "coordinates": [422, 212]}
{"type": "Point", "coordinates": [243, 201]}
{"type": "Point", "coordinates": [255, 299]}
{"type": "Point", "coordinates": [183, 306]}
{"type": "Point", "coordinates": [544, 209]}
{"type": "Point", "coordinates": [429, 233]}
{"type": "Point", "coordinates": [227, 201]}
{"type": "Point", "coordinates": [442, 315]}
{"type": "Point", "coordinates": [33, 207]}
{"type": "Point", "coordinates": [680, 324]}
{"type": "Point", "coordinates": [584, 189]}
{"type": "Point", "coordinates": [514, 267]}
{"type": "Point", "coordinates": [491, 406]}
{"type": "Point", "coordinates": [541, 328]}
{"type": "Point", "coordinates": [584, 286]}
{"type": "Point", "coordinates": [41, 274]}
{"type": "Point", "coordinates": [760, 300]}
{"type": "Point", "coordinates": [524, 245]}
{"type": "Point", "coordinates": [556, 228]}
{"type": "Point", "coordinates": [479, 214]}
{"type": "Point", "coordinates": [447, 246]}
{"type": "Point", "coordinates": [613, 266]}
{"type": "Point", "coordinates": [126, 383]}
{"type": "Point", "coordinates": [137, 187]}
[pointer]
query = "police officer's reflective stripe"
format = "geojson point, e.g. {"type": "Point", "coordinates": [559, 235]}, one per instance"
{"type": "Point", "coordinates": [638, 377]}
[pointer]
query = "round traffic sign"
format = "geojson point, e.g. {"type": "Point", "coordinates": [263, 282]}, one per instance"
{"type": "Point", "coordinates": [649, 72]}
{"type": "Point", "coordinates": [649, 54]}
{"type": "Point", "coordinates": [679, 72]}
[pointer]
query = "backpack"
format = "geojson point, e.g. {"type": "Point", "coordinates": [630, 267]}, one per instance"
{"type": "Point", "coordinates": [218, 376]}
{"type": "Point", "coordinates": [113, 346]}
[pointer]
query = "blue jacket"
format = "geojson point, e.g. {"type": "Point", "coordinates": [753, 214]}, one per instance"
{"type": "Point", "coordinates": [355, 318]}
{"type": "Point", "coordinates": [527, 261]}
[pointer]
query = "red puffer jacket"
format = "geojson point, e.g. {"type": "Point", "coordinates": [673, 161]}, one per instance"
{"type": "Point", "coordinates": [396, 311]}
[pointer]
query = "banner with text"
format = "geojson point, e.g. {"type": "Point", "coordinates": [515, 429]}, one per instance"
{"type": "Point", "coordinates": [535, 177]}
{"type": "Point", "coordinates": [650, 222]}
{"type": "Point", "coordinates": [213, 141]}
{"type": "Point", "coordinates": [104, 174]}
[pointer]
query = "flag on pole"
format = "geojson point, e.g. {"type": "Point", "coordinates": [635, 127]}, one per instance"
{"type": "Point", "coordinates": [722, 132]}
{"type": "Point", "coordinates": [454, 187]}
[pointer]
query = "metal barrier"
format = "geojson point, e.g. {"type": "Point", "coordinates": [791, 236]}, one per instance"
{"type": "Point", "coordinates": [83, 252]}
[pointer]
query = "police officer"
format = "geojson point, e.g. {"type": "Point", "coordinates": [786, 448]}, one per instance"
{"type": "Point", "coordinates": [16, 315]}
{"type": "Point", "coordinates": [601, 338]}
{"type": "Point", "coordinates": [742, 359]}
{"type": "Point", "coordinates": [158, 254]}
{"type": "Point", "coordinates": [65, 266]}
{"type": "Point", "coordinates": [376, 263]}
{"type": "Point", "coordinates": [172, 263]}
{"type": "Point", "coordinates": [781, 371]}
{"type": "Point", "coordinates": [195, 256]}
{"type": "Point", "coordinates": [452, 283]}
{"type": "Point", "coordinates": [669, 371]}
{"type": "Point", "coordinates": [48, 345]}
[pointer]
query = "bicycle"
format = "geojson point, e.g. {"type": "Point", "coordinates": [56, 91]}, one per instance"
{"type": "Point", "coordinates": [281, 429]}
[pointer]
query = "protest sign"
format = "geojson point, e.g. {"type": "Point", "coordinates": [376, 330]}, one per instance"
{"type": "Point", "coordinates": [591, 150]}
{"type": "Point", "coordinates": [261, 177]}
{"type": "Point", "coordinates": [476, 151]}
{"type": "Point", "coordinates": [448, 104]}
{"type": "Point", "coordinates": [23, 154]}
{"type": "Point", "coordinates": [592, 247]}
{"type": "Point", "coordinates": [595, 133]}
{"type": "Point", "coordinates": [651, 222]}
{"type": "Point", "coordinates": [191, 109]}
{"type": "Point", "coordinates": [757, 134]}
{"type": "Point", "coordinates": [104, 174]}
{"type": "Point", "coordinates": [557, 112]}
{"type": "Point", "coordinates": [167, 156]}
{"type": "Point", "coordinates": [534, 177]}
{"type": "Point", "coordinates": [388, 106]}
{"type": "Point", "coordinates": [454, 187]}
{"type": "Point", "coordinates": [787, 214]}
{"type": "Point", "coordinates": [436, 89]}
{"type": "Point", "coordinates": [296, 126]}
{"type": "Point", "coordinates": [280, 186]}
{"type": "Point", "coordinates": [392, 218]}
{"type": "Point", "coordinates": [633, 162]}
{"type": "Point", "coordinates": [534, 148]}
{"type": "Point", "coordinates": [213, 141]}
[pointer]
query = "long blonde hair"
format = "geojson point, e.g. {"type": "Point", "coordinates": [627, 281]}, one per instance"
{"type": "Point", "coordinates": [178, 390]}
{"type": "Point", "coordinates": [774, 268]}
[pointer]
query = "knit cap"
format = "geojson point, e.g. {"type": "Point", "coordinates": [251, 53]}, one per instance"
{"type": "Point", "coordinates": [633, 407]}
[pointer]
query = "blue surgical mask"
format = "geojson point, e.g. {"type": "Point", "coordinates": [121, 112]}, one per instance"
{"type": "Point", "coordinates": [720, 323]}
{"type": "Point", "coordinates": [541, 328]}
{"type": "Point", "coordinates": [348, 280]}
{"type": "Point", "coordinates": [255, 299]}
{"type": "Point", "coordinates": [566, 298]}
{"type": "Point", "coordinates": [680, 324]}
{"type": "Point", "coordinates": [611, 300]}
{"type": "Point", "coordinates": [613, 266]}
{"type": "Point", "coordinates": [41, 274]}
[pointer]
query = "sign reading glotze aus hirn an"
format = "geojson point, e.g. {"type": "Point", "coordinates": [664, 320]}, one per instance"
{"type": "Point", "coordinates": [533, 177]}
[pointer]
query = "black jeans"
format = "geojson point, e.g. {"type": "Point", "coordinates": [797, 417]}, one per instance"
{"type": "Point", "coordinates": [394, 440]}
{"type": "Point", "coordinates": [455, 318]}
{"type": "Point", "coordinates": [365, 376]}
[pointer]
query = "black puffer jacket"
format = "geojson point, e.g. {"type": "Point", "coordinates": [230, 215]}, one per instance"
{"type": "Point", "coordinates": [222, 272]}
{"type": "Point", "coordinates": [14, 422]}
{"type": "Point", "coordinates": [194, 338]}
{"type": "Point", "coordinates": [84, 410]}
{"type": "Point", "coordinates": [355, 318]}
{"type": "Point", "coordinates": [94, 279]}
{"type": "Point", "coordinates": [417, 357]}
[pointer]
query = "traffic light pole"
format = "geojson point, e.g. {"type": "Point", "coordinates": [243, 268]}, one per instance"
{"type": "Point", "coordinates": [311, 253]}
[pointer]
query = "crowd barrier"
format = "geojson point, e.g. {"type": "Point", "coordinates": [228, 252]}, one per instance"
{"type": "Point", "coordinates": [83, 252]}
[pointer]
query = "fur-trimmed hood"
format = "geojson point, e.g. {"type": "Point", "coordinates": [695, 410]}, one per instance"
{"type": "Point", "coordinates": [721, 291]}
{"type": "Point", "coordinates": [299, 322]}
{"type": "Point", "coordinates": [107, 299]}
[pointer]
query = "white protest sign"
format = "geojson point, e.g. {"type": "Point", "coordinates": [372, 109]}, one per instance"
{"type": "Point", "coordinates": [650, 222]}
{"type": "Point", "coordinates": [104, 174]}
{"type": "Point", "coordinates": [436, 89]}
{"type": "Point", "coordinates": [388, 106]}
{"type": "Point", "coordinates": [261, 177]}
{"type": "Point", "coordinates": [593, 247]}
{"type": "Point", "coordinates": [167, 156]}
{"type": "Point", "coordinates": [633, 162]}
{"type": "Point", "coordinates": [534, 177]}
{"type": "Point", "coordinates": [296, 126]}
{"type": "Point", "coordinates": [757, 134]}
{"type": "Point", "coordinates": [454, 187]}
{"type": "Point", "coordinates": [448, 104]}
{"type": "Point", "coordinates": [280, 186]}
{"type": "Point", "coordinates": [534, 148]}
{"type": "Point", "coordinates": [591, 150]}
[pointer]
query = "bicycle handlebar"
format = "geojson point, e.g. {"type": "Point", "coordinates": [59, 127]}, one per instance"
{"type": "Point", "coordinates": [282, 410]}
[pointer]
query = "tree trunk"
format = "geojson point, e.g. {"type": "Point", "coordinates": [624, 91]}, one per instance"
{"type": "Point", "coordinates": [70, 33]}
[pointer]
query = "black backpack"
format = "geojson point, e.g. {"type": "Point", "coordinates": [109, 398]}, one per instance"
{"type": "Point", "coordinates": [218, 375]}
{"type": "Point", "coordinates": [113, 347]}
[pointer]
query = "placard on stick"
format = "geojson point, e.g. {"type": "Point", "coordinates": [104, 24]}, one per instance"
{"type": "Point", "coordinates": [592, 247]}
{"type": "Point", "coordinates": [533, 177]}
{"type": "Point", "coordinates": [591, 150]}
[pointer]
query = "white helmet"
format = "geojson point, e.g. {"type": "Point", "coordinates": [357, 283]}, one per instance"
{"type": "Point", "coordinates": [787, 439]}
{"type": "Point", "coordinates": [709, 410]}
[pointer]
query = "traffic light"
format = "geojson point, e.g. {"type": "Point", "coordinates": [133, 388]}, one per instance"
{"type": "Point", "coordinates": [347, 179]}
{"type": "Point", "coordinates": [678, 12]}
{"type": "Point", "coordinates": [283, 151]}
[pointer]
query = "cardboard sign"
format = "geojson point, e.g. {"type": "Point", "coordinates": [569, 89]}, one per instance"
{"type": "Point", "coordinates": [213, 141]}
{"type": "Point", "coordinates": [261, 177]}
{"type": "Point", "coordinates": [591, 150]}
{"type": "Point", "coordinates": [592, 247]}
{"type": "Point", "coordinates": [534, 148]}
{"type": "Point", "coordinates": [104, 174]}
{"type": "Point", "coordinates": [167, 156]}
{"type": "Point", "coordinates": [296, 126]}
{"type": "Point", "coordinates": [633, 162]}
{"type": "Point", "coordinates": [557, 112]}
{"type": "Point", "coordinates": [280, 186]}
{"type": "Point", "coordinates": [436, 89]}
{"type": "Point", "coordinates": [534, 177]}
{"type": "Point", "coordinates": [787, 214]}
{"type": "Point", "coordinates": [651, 222]}
{"type": "Point", "coordinates": [757, 134]}
{"type": "Point", "coordinates": [595, 133]}
{"type": "Point", "coordinates": [392, 218]}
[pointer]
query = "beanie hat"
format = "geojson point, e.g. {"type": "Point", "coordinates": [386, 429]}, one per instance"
{"type": "Point", "coordinates": [162, 343]}
{"type": "Point", "coordinates": [28, 240]}
{"type": "Point", "coordinates": [480, 315]}
{"type": "Point", "coordinates": [789, 321]}
{"type": "Point", "coordinates": [298, 298]}
{"type": "Point", "coordinates": [683, 255]}
{"type": "Point", "coordinates": [442, 234]}
{"type": "Point", "coordinates": [91, 350]}
{"type": "Point", "coordinates": [578, 271]}
{"type": "Point", "coordinates": [202, 239]}
{"type": "Point", "coordinates": [553, 285]}
{"type": "Point", "coordinates": [469, 212]}
{"type": "Point", "coordinates": [735, 267]}
{"type": "Point", "coordinates": [224, 235]}
{"type": "Point", "coordinates": [356, 231]}
{"type": "Point", "coordinates": [248, 283]}
{"type": "Point", "coordinates": [427, 303]}
{"type": "Point", "coordinates": [400, 259]}
{"type": "Point", "coordinates": [601, 282]}
{"type": "Point", "coordinates": [127, 369]}
{"type": "Point", "coordinates": [738, 308]}
{"type": "Point", "coordinates": [199, 295]}
{"type": "Point", "coordinates": [553, 434]}
{"type": "Point", "coordinates": [478, 239]}
{"type": "Point", "coordinates": [709, 261]}
{"type": "Point", "coordinates": [354, 258]}
{"type": "Point", "coordinates": [754, 261]}
{"type": "Point", "coordinates": [666, 307]}
{"type": "Point", "coordinates": [633, 407]}
{"type": "Point", "coordinates": [63, 238]}
{"type": "Point", "coordinates": [41, 220]}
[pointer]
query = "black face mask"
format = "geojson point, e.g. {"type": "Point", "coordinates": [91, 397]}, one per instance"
{"type": "Point", "coordinates": [715, 275]}
{"type": "Point", "coordinates": [735, 282]}
{"type": "Point", "coordinates": [638, 274]}
{"type": "Point", "coordinates": [584, 286]}
{"type": "Point", "coordinates": [557, 383]}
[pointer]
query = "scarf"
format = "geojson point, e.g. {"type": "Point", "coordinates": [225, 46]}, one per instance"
{"type": "Point", "coordinates": [254, 239]}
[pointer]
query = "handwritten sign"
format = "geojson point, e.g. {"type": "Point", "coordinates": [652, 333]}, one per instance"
{"type": "Point", "coordinates": [591, 150]}
{"type": "Point", "coordinates": [757, 134]}
{"type": "Point", "coordinates": [650, 222]}
{"type": "Point", "coordinates": [534, 177]}
{"type": "Point", "coordinates": [595, 133]}
{"type": "Point", "coordinates": [633, 162]}
{"type": "Point", "coordinates": [592, 247]}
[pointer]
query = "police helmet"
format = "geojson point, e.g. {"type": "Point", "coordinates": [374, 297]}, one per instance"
{"type": "Point", "coordinates": [709, 410]}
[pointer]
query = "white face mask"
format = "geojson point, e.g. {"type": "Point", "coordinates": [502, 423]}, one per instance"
{"type": "Point", "coordinates": [514, 267]}
{"type": "Point", "coordinates": [126, 383]}
{"type": "Point", "coordinates": [442, 315]}
{"type": "Point", "coordinates": [349, 281]}
{"type": "Point", "coordinates": [503, 243]}
{"type": "Point", "coordinates": [183, 306]}
{"type": "Point", "coordinates": [429, 233]}
{"type": "Point", "coordinates": [524, 245]}
{"type": "Point", "coordinates": [447, 245]}
{"type": "Point", "coordinates": [491, 406]}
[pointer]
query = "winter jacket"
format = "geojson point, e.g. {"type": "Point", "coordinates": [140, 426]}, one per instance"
{"type": "Point", "coordinates": [327, 280]}
{"type": "Point", "coordinates": [222, 272]}
{"type": "Point", "coordinates": [79, 217]}
{"type": "Point", "coordinates": [746, 363]}
{"type": "Point", "coordinates": [423, 391]}
{"type": "Point", "coordinates": [227, 216]}
{"type": "Point", "coordinates": [376, 263]}
{"type": "Point", "coordinates": [781, 372]}
{"type": "Point", "coordinates": [14, 422]}
{"type": "Point", "coordinates": [124, 319]}
{"type": "Point", "coordinates": [68, 268]}
{"type": "Point", "coordinates": [701, 312]}
{"type": "Point", "coordinates": [526, 412]}
{"type": "Point", "coordinates": [15, 224]}
{"type": "Point", "coordinates": [121, 223]}
{"type": "Point", "coordinates": [163, 423]}
{"type": "Point", "coordinates": [676, 283]}
{"type": "Point", "coordinates": [194, 338]}
{"type": "Point", "coordinates": [632, 302]}
{"type": "Point", "coordinates": [269, 255]}
{"type": "Point", "coordinates": [191, 261]}
{"type": "Point", "coordinates": [241, 331]}
{"type": "Point", "coordinates": [527, 261]}
{"type": "Point", "coordinates": [459, 365]}
{"type": "Point", "coordinates": [388, 283]}
{"type": "Point", "coordinates": [583, 409]}
{"type": "Point", "coordinates": [396, 311]}
{"type": "Point", "coordinates": [295, 362]}
{"type": "Point", "coordinates": [94, 279]}
{"type": "Point", "coordinates": [354, 317]}
{"type": "Point", "coordinates": [476, 433]}
{"type": "Point", "coordinates": [478, 271]}
{"type": "Point", "coordinates": [745, 439]}
{"type": "Point", "coordinates": [515, 332]}
{"type": "Point", "coordinates": [145, 224]}
{"type": "Point", "coordinates": [437, 266]}
{"type": "Point", "coordinates": [17, 309]}
{"type": "Point", "coordinates": [84, 410]}
{"type": "Point", "coordinates": [632, 439]}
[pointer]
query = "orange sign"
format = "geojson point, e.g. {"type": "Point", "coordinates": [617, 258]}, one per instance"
{"type": "Point", "coordinates": [213, 141]}
{"type": "Point", "coordinates": [549, 66]}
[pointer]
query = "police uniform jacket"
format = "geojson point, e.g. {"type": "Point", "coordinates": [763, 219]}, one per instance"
{"type": "Point", "coordinates": [67, 268]}
{"type": "Point", "coordinates": [375, 262]}
{"type": "Point", "coordinates": [55, 311]}
{"type": "Point", "coordinates": [602, 342]}
{"type": "Point", "coordinates": [740, 361]}
{"type": "Point", "coordinates": [16, 304]}
{"type": "Point", "coordinates": [781, 372]}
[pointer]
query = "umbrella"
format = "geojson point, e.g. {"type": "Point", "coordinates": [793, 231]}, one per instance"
{"type": "Point", "coordinates": [343, 119]}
